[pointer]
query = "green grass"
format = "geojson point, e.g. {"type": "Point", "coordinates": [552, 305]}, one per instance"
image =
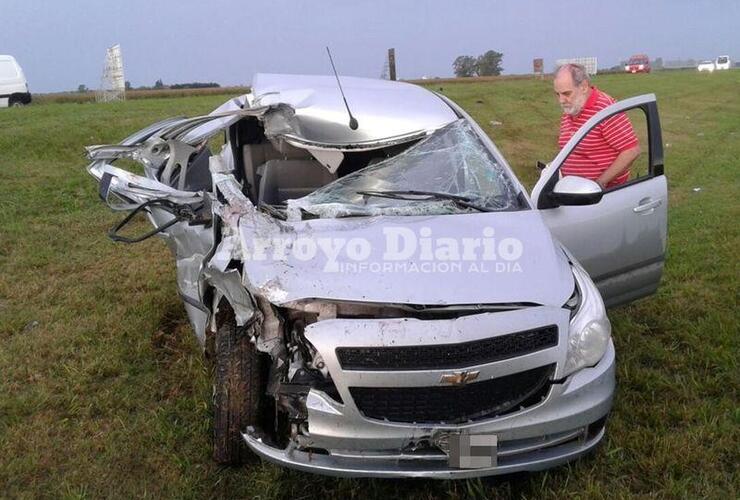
{"type": "Point", "coordinates": [103, 391]}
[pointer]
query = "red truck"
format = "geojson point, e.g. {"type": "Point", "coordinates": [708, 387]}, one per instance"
{"type": "Point", "coordinates": [639, 63]}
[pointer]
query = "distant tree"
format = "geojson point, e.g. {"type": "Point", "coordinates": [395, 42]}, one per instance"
{"type": "Point", "coordinates": [489, 64]}
{"type": "Point", "coordinates": [158, 84]}
{"type": "Point", "coordinates": [465, 66]}
{"type": "Point", "coordinates": [127, 85]}
{"type": "Point", "coordinates": [81, 88]}
{"type": "Point", "coordinates": [195, 85]}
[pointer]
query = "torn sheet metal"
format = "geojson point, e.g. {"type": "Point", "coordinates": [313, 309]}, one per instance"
{"type": "Point", "coordinates": [331, 159]}
{"type": "Point", "coordinates": [139, 188]}
{"type": "Point", "coordinates": [315, 114]}
{"type": "Point", "coordinates": [228, 249]}
{"type": "Point", "coordinates": [235, 203]}
{"type": "Point", "coordinates": [228, 285]}
{"type": "Point", "coordinates": [174, 171]}
{"type": "Point", "coordinates": [199, 128]}
{"type": "Point", "coordinates": [452, 160]}
{"type": "Point", "coordinates": [110, 151]}
{"type": "Point", "coordinates": [147, 132]}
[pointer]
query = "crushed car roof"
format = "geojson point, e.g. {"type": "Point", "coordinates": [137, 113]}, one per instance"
{"type": "Point", "coordinates": [314, 114]}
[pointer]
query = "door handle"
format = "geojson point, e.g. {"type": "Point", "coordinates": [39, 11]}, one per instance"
{"type": "Point", "coordinates": [647, 206]}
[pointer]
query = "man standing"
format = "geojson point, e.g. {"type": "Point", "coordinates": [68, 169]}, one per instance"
{"type": "Point", "coordinates": [606, 153]}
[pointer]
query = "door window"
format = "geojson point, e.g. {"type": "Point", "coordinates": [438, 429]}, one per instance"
{"type": "Point", "coordinates": [600, 148]}
{"type": "Point", "coordinates": [636, 116]}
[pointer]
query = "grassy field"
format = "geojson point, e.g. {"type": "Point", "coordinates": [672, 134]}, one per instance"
{"type": "Point", "coordinates": [89, 96]}
{"type": "Point", "coordinates": [103, 391]}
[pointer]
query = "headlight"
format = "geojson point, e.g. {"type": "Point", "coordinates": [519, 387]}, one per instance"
{"type": "Point", "coordinates": [590, 330]}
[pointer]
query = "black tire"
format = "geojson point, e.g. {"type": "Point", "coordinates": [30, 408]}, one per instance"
{"type": "Point", "coordinates": [14, 102]}
{"type": "Point", "coordinates": [238, 388]}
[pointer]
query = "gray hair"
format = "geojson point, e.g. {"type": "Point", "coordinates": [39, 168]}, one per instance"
{"type": "Point", "coordinates": [577, 72]}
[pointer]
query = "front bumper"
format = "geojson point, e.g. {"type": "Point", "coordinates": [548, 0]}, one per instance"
{"type": "Point", "coordinates": [342, 442]}
{"type": "Point", "coordinates": [527, 456]}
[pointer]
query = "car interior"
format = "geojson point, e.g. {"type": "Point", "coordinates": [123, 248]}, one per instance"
{"type": "Point", "coordinates": [274, 171]}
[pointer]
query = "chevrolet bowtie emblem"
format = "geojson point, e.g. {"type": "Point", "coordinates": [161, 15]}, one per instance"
{"type": "Point", "coordinates": [459, 378]}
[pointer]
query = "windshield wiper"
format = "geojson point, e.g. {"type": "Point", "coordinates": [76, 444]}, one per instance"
{"type": "Point", "coordinates": [279, 211]}
{"type": "Point", "coordinates": [413, 195]}
{"type": "Point", "coordinates": [273, 211]}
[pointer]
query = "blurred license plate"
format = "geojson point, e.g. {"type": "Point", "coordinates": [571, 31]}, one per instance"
{"type": "Point", "coordinates": [472, 451]}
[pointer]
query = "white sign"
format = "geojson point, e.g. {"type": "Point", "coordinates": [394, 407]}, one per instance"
{"type": "Point", "coordinates": [587, 62]}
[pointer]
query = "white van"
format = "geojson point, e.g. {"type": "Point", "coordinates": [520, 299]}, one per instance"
{"type": "Point", "coordinates": [722, 62]}
{"type": "Point", "coordinates": [13, 84]}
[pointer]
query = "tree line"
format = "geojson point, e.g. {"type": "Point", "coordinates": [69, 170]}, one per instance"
{"type": "Point", "coordinates": [160, 85]}
{"type": "Point", "coordinates": [486, 64]}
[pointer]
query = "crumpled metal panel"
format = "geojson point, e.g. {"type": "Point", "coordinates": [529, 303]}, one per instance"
{"type": "Point", "coordinates": [273, 269]}
{"type": "Point", "coordinates": [316, 115]}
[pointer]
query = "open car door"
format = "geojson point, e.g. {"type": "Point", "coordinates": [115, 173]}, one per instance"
{"type": "Point", "coordinates": [621, 239]}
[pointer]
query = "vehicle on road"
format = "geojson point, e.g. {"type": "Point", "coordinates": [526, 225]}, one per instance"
{"type": "Point", "coordinates": [722, 62]}
{"type": "Point", "coordinates": [378, 293]}
{"type": "Point", "coordinates": [706, 66]}
{"type": "Point", "coordinates": [639, 63]}
{"type": "Point", "coordinates": [13, 85]}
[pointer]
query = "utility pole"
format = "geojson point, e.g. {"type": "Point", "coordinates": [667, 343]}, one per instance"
{"type": "Point", "coordinates": [392, 63]}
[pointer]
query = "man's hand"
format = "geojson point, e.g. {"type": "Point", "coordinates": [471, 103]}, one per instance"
{"type": "Point", "coordinates": [621, 163]}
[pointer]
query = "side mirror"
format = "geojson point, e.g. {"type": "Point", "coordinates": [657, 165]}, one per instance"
{"type": "Point", "coordinates": [572, 190]}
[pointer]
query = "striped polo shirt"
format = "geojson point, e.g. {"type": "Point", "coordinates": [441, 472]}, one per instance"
{"type": "Point", "coordinates": [598, 150]}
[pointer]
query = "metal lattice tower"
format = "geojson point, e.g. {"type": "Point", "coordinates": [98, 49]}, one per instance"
{"type": "Point", "coordinates": [385, 71]}
{"type": "Point", "coordinates": [112, 83]}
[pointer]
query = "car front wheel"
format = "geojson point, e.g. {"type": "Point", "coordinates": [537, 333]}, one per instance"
{"type": "Point", "coordinates": [238, 387]}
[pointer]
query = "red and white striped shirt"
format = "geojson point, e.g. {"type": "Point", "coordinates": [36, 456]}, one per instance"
{"type": "Point", "coordinates": [598, 150]}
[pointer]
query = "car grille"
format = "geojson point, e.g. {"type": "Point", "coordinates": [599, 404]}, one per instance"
{"type": "Point", "coordinates": [442, 356]}
{"type": "Point", "coordinates": [455, 404]}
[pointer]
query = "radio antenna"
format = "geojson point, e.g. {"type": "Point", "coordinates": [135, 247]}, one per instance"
{"type": "Point", "coordinates": [352, 120]}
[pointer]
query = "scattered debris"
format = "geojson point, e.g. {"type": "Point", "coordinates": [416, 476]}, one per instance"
{"type": "Point", "coordinates": [667, 144]}
{"type": "Point", "coordinates": [495, 123]}
{"type": "Point", "coordinates": [31, 326]}
{"type": "Point", "coordinates": [697, 189]}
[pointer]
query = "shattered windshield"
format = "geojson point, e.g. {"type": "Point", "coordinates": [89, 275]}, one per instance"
{"type": "Point", "coordinates": [452, 164]}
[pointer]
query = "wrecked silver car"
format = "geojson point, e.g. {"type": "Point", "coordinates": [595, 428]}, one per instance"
{"type": "Point", "coordinates": [379, 294]}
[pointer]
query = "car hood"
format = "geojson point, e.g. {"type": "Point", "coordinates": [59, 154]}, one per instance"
{"type": "Point", "coordinates": [480, 258]}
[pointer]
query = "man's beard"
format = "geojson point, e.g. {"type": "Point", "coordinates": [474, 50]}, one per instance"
{"type": "Point", "coordinates": [575, 108]}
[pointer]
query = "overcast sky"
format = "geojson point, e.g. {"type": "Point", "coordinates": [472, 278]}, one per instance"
{"type": "Point", "coordinates": [61, 43]}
